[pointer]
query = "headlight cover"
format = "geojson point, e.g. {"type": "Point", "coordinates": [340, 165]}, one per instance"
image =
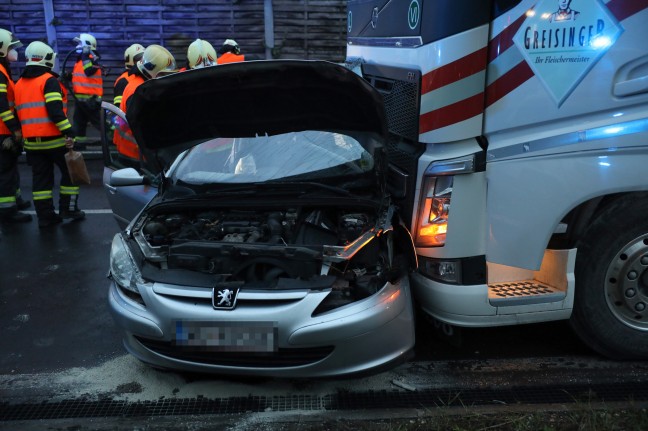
{"type": "Point", "coordinates": [122, 266]}
{"type": "Point", "coordinates": [434, 211]}
{"type": "Point", "coordinates": [436, 194]}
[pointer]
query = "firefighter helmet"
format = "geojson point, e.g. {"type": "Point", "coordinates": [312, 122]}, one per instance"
{"type": "Point", "coordinates": [86, 39]}
{"type": "Point", "coordinates": [40, 54]}
{"type": "Point", "coordinates": [156, 60]}
{"type": "Point", "coordinates": [201, 54]}
{"type": "Point", "coordinates": [7, 42]}
{"type": "Point", "coordinates": [132, 54]}
{"type": "Point", "coordinates": [230, 45]}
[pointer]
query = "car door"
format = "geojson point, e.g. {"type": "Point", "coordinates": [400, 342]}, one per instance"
{"type": "Point", "coordinates": [125, 201]}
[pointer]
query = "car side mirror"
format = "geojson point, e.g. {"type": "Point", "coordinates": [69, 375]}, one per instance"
{"type": "Point", "coordinates": [126, 177]}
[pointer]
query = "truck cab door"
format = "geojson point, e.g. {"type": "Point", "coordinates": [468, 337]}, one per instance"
{"type": "Point", "coordinates": [126, 201]}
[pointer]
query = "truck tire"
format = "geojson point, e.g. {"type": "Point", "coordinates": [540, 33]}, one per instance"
{"type": "Point", "coordinates": [610, 312]}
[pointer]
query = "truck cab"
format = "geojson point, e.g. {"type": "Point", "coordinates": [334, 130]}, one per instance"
{"type": "Point", "coordinates": [518, 152]}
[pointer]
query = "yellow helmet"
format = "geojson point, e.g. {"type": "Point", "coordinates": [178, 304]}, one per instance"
{"type": "Point", "coordinates": [40, 54]}
{"type": "Point", "coordinates": [201, 54]}
{"type": "Point", "coordinates": [86, 39]}
{"type": "Point", "coordinates": [132, 54]}
{"type": "Point", "coordinates": [156, 60]}
{"type": "Point", "coordinates": [7, 42]}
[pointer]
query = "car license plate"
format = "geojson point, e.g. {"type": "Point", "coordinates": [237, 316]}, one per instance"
{"type": "Point", "coordinates": [227, 336]}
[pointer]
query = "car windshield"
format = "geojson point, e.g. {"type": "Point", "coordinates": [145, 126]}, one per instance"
{"type": "Point", "coordinates": [303, 156]}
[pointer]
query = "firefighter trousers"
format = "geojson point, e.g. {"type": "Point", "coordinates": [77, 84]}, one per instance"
{"type": "Point", "coordinates": [42, 163]}
{"type": "Point", "coordinates": [9, 179]}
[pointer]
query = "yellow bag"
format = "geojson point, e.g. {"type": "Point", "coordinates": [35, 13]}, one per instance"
{"type": "Point", "coordinates": [77, 167]}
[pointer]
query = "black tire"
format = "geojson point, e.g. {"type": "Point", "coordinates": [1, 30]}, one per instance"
{"type": "Point", "coordinates": [611, 299]}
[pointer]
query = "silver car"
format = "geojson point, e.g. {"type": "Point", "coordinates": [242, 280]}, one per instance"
{"type": "Point", "coordinates": [269, 245]}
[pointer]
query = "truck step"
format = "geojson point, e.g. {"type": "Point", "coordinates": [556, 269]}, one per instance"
{"type": "Point", "coordinates": [523, 293]}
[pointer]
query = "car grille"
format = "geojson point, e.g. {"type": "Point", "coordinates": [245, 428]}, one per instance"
{"type": "Point", "coordinates": [280, 358]}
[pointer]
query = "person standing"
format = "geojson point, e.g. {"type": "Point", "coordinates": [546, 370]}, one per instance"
{"type": "Point", "coordinates": [87, 86]}
{"type": "Point", "coordinates": [230, 52]}
{"type": "Point", "coordinates": [131, 56]}
{"type": "Point", "coordinates": [156, 60]}
{"type": "Point", "coordinates": [10, 137]}
{"type": "Point", "coordinates": [41, 104]}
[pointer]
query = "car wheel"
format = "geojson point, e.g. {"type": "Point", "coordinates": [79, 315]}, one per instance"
{"type": "Point", "coordinates": [611, 299]}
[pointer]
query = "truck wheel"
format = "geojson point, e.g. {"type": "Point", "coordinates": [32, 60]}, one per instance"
{"type": "Point", "coordinates": [611, 299]}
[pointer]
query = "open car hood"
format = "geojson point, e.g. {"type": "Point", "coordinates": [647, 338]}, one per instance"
{"type": "Point", "coordinates": [171, 114]}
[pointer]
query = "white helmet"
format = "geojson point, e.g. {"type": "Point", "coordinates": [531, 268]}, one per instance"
{"type": "Point", "coordinates": [132, 54]}
{"type": "Point", "coordinates": [230, 45]}
{"type": "Point", "coordinates": [86, 39]}
{"type": "Point", "coordinates": [7, 42]}
{"type": "Point", "coordinates": [155, 61]}
{"type": "Point", "coordinates": [40, 54]}
{"type": "Point", "coordinates": [201, 54]}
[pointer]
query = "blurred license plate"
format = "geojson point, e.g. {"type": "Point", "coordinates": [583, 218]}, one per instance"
{"type": "Point", "coordinates": [227, 336]}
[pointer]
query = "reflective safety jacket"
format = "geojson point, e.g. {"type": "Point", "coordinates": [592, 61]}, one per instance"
{"type": "Point", "coordinates": [230, 57]}
{"type": "Point", "coordinates": [31, 100]}
{"type": "Point", "coordinates": [120, 85]}
{"type": "Point", "coordinates": [123, 138]}
{"type": "Point", "coordinates": [85, 86]}
{"type": "Point", "coordinates": [7, 116]}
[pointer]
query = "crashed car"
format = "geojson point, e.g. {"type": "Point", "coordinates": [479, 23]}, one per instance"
{"type": "Point", "coordinates": [262, 240]}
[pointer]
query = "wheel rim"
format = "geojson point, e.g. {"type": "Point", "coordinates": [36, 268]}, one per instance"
{"type": "Point", "coordinates": [626, 284]}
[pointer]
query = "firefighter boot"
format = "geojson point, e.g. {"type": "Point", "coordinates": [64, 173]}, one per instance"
{"type": "Point", "coordinates": [46, 215]}
{"type": "Point", "coordinates": [68, 207]}
{"type": "Point", "coordinates": [22, 204]}
{"type": "Point", "coordinates": [12, 215]}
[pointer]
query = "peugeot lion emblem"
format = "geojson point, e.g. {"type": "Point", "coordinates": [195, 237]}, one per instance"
{"type": "Point", "coordinates": [224, 299]}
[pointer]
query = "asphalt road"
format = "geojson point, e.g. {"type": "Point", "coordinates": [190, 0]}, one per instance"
{"type": "Point", "coordinates": [58, 341]}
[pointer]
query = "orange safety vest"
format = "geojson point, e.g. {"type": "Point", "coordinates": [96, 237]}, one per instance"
{"type": "Point", "coordinates": [118, 97]}
{"type": "Point", "coordinates": [4, 130]}
{"type": "Point", "coordinates": [123, 137]}
{"type": "Point", "coordinates": [86, 85]}
{"type": "Point", "coordinates": [230, 57]}
{"type": "Point", "coordinates": [30, 106]}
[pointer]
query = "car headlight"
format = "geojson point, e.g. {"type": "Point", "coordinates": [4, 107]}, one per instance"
{"type": "Point", "coordinates": [123, 269]}
{"type": "Point", "coordinates": [436, 194]}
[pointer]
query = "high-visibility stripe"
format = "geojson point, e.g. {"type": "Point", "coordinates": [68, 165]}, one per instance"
{"type": "Point", "coordinates": [35, 121]}
{"type": "Point", "coordinates": [41, 195]}
{"type": "Point", "coordinates": [7, 199]}
{"type": "Point", "coordinates": [88, 85]}
{"type": "Point", "coordinates": [44, 144]}
{"type": "Point", "coordinates": [6, 116]}
{"type": "Point", "coordinates": [63, 125]}
{"type": "Point", "coordinates": [51, 97]}
{"type": "Point", "coordinates": [65, 190]}
{"type": "Point", "coordinates": [3, 88]}
{"type": "Point", "coordinates": [117, 100]}
{"type": "Point", "coordinates": [30, 105]}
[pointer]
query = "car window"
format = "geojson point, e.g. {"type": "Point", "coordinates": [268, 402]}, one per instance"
{"type": "Point", "coordinates": [306, 155]}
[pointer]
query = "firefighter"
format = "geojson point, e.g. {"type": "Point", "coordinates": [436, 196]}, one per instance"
{"type": "Point", "coordinates": [131, 56]}
{"type": "Point", "coordinates": [41, 104]}
{"type": "Point", "coordinates": [156, 61]}
{"type": "Point", "coordinates": [230, 52]}
{"type": "Point", "coordinates": [201, 54]}
{"type": "Point", "coordinates": [10, 137]}
{"type": "Point", "coordinates": [87, 86]}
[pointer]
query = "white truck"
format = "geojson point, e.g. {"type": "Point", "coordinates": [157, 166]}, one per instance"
{"type": "Point", "coordinates": [519, 149]}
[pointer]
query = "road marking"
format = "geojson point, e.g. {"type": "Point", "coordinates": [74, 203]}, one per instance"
{"type": "Point", "coordinates": [85, 211]}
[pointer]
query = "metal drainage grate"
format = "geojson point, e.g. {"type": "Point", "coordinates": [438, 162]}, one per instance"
{"type": "Point", "coordinates": [622, 392]}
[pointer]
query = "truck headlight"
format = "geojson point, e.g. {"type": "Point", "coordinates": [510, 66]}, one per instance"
{"type": "Point", "coordinates": [436, 194]}
{"type": "Point", "coordinates": [123, 269]}
{"type": "Point", "coordinates": [434, 211]}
